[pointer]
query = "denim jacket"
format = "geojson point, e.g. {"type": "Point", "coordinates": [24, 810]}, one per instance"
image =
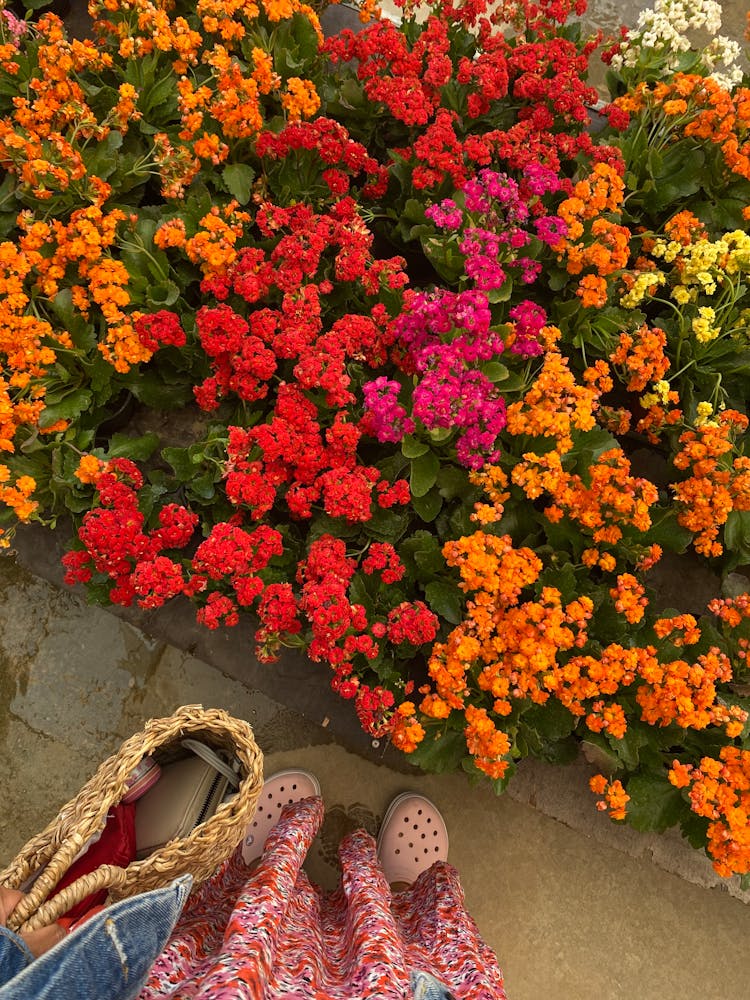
{"type": "Point", "coordinates": [108, 957]}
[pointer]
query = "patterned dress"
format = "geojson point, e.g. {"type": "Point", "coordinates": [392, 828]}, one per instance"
{"type": "Point", "coordinates": [273, 934]}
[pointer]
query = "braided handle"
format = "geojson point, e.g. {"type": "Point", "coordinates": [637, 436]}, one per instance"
{"type": "Point", "coordinates": [200, 852]}
{"type": "Point", "coordinates": [48, 878]}
{"type": "Point", "coordinates": [105, 877]}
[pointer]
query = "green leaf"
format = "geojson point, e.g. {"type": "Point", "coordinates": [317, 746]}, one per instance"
{"type": "Point", "coordinates": [429, 559]}
{"type": "Point", "coordinates": [412, 447]}
{"type": "Point", "coordinates": [446, 600]}
{"type": "Point", "coordinates": [501, 294]}
{"type": "Point", "coordinates": [151, 389]}
{"type": "Point", "coordinates": [563, 751]}
{"type": "Point", "coordinates": [162, 294]}
{"type": "Point", "coordinates": [428, 507]}
{"type": "Point", "coordinates": [440, 752]}
{"type": "Point", "coordinates": [590, 445]}
{"type": "Point", "coordinates": [420, 541]}
{"type": "Point", "coordinates": [101, 159]}
{"type": "Point", "coordinates": [204, 486]}
{"type": "Point", "coordinates": [695, 829]}
{"type": "Point", "coordinates": [439, 435]}
{"type": "Point", "coordinates": [414, 211]}
{"type": "Point", "coordinates": [495, 372]}
{"type": "Point", "coordinates": [424, 473]}
{"type": "Point", "coordinates": [323, 524]}
{"type": "Point", "coordinates": [655, 804]}
{"type": "Point", "coordinates": [386, 525]}
{"type": "Point", "coordinates": [668, 533]}
{"type": "Point", "coordinates": [737, 531]}
{"type": "Point", "coordinates": [552, 721]}
{"type": "Point", "coordinates": [358, 592]}
{"type": "Point", "coordinates": [148, 495]}
{"type": "Point", "coordinates": [627, 748]}
{"type": "Point", "coordinates": [179, 459]}
{"type": "Point", "coordinates": [138, 449]}
{"type": "Point", "coordinates": [453, 481]}
{"type": "Point", "coordinates": [160, 99]}
{"type": "Point", "coordinates": [239, 178]}
{"type": "Point", "coordinates": [62, 306]}
{"type": "Point", "coordinates": [680, 177]}
{"type": "Point", "coordinates": [69, 407]}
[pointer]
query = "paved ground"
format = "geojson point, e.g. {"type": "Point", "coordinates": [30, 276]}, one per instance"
{"type": "Point", "coordinates": [576, 908]}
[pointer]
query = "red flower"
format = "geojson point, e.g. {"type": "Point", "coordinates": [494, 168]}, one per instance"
{"type": "Point", "coordinates": [156, 329]}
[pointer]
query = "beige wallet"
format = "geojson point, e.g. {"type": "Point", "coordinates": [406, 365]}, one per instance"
{"type": "Point", "coordinates": [188, 792]}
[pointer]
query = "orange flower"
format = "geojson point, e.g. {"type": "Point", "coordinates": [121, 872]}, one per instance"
{"type": "Point", "coordinates": [642, 355]}
{"type": "Point", "coordinates": [592, 291]}
{"type": "Point", "coordinates": [17, 497]}
{"type": "Point", "coordinates": [685, 693]}
{"type": "Point", "coordinates": [615, 797]}
{"type": "Point", "coordinates": [213, 246]}
{"type": "Point", "coordinates": [487, 744]}
{"type": "Point", "coordinates": [89, 469]}
{"type": "Point", "coordinates": [686, 624]}
{"type": "Point", "coordinates": [554, 405]}
{"type": "Point", "coordinates": [301, 99]}
{"type": "Point", "coordinates": [609, 718]}
{"type": "Point", "coordinates": [407, 733]}
{"type": "Point", "coordinates": [612, 500]}
{"type": "Point", "coordinates": [629, 597]}
{"type": "Point", "coordinates": [685, 228]}
{"type": "Point", "coordinates": [715, 487]}
{"type": "Point", "coordinates": [719, 790]}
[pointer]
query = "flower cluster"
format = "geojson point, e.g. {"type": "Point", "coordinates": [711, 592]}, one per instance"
{"type": "Point", "coordinates": [719, 790]}
{"type": "Point", "coordinates": [606, 246]}
{"type": "Point", "coordinates": [451, 393]}
{"type": "Point", "coordinates": [696, 107]}
{"type": "Point", "coordinates": [717, 484]}
{"type": "Point", "coordinates": [615, 799]}
{"type": "Point", "coordinates": [501, 217]}
{"type": "Point", "coordinates": [659, 38]}
{"type": "Point", "coordinates": [463, 477]}
{"type": "Point", "coordinates": [404, 71]}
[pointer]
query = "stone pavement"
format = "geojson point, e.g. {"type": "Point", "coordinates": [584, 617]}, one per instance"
{"type": "Point", "coordinates": [576, 907]}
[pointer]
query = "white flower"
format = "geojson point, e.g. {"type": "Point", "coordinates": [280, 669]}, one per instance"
{"type": "Point", "coordinates": [728, 81]}
{"type": "Point", "coordinates": [664, 29]}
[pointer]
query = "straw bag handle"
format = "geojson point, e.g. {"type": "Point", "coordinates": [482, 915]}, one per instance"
{"type": "Point", "coordinates": [104, 877]}
{"type": "Point", "coordinates": [45, 882]}
{"type": "Point", "coordinates": [48, 856]}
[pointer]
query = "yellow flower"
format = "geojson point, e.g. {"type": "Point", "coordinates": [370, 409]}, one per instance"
{"type": "Point", "coordinates": [661, 388]}
{"type": "Point", "coordinates": [703, 327]}
{"type": "Point", "coordinates": [703, 411]}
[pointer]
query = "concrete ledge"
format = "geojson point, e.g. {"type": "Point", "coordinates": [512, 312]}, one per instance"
{"type": "Point", "coordinates": [294, 681]}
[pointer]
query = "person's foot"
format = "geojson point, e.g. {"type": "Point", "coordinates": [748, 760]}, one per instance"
{"type": "Point", "coordinates": [278, 791]}
{"type": "Point", "coordinates": [413, 837]}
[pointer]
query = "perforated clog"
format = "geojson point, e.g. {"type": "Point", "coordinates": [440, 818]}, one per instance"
{"type": "Point", "coordinates": [278, 790]}
{"type": "Point", "coordinates": [412, 838]}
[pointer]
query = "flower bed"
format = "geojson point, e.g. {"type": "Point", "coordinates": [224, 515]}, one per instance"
{"type": "Point", "coordinates": [440, 331]}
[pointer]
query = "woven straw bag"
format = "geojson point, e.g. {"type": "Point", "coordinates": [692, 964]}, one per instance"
{"type": "Point", "coordinates": [54, 849]}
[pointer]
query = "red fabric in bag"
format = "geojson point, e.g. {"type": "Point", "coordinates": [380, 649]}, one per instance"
{"type": "Point", "coordinates": [116, 846]}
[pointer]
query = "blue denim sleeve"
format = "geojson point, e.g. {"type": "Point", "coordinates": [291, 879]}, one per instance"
{"type": "Point", "coordinates": [14, 955]}
{"type": "Point", "coordinates": [110, 956]}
